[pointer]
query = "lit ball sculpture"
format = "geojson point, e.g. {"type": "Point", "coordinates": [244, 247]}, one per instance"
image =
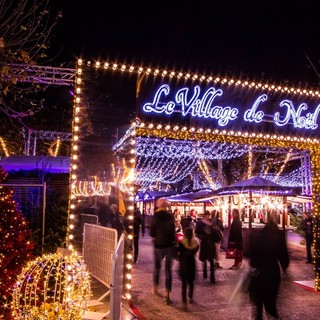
{"type": "Point", "coordinates": [54, 286]}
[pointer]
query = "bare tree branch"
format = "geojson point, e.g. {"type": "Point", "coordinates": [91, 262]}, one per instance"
{"type": "Point", "coordinates": [313, 67]}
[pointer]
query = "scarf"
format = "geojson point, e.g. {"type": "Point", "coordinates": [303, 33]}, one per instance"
{"type": "Point", "coordinates": [193, 243]}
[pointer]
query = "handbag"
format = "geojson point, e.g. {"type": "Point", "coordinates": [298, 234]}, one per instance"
{"type": "Point", "coordinates": [232, 253]}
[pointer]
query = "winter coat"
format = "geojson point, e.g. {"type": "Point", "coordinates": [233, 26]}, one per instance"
{"type": "Point", "coordinates": [267, 249]}
{"type": "Point", "coordinates": [188, 222]}
{"type": "Point", "coordinates": [138, 221]}
{"type": "Point", "coordinates": [307, 227]}
{"type": "Point", "coordinates": [207, 243]}
{"type": "Point", "coordinates": [162, 229]}
{"type": "Point", "coordinates": [235, 239]}
{"type": "Point", "coordinates": [218, 222]}
{"type": "Point", "coordinates": [187, 261]}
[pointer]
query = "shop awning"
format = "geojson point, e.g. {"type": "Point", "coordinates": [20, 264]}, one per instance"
{"type": "Point", "coordinates": [300, 199]}
{"type": "Point", "coordinates": [59, 164]}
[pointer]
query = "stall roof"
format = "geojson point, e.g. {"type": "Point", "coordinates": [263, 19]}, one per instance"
{"type": "Point", "coordinates": [300, 199]}
{"type": "Point", "coordinates": [151, 195]}
{"type": "Point", "coordinates": [192, 196]}
{"type": "Point", "coordinates": [59, 164]}
{"type": "Point", "coordinates": [257, 185]}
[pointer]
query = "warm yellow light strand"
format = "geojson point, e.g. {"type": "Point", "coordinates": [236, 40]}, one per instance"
{"type": "Point", "coordinates": [58, 144]}
{"type": "Point", "coordinates": [4, 147]}
{"type": "Point", "coordinates": [204, 169]}
{"type": "Point", "coordinates": [172, 74]}
{"type": "Point", "coordinates": [250, 163]}
{"type": "Point", "coordinates": [288, 155]}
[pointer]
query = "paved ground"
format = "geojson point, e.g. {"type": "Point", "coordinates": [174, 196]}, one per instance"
{"type": "Point", "coordinates": [297, 298]}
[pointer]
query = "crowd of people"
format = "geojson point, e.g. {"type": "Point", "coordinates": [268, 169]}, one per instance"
{"type": "Point", "coordinates": [201, 238]}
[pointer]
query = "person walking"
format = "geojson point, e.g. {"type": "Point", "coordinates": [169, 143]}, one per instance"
{"type": "Point", "coordinates": [188, 247]}
{"type": "Point", "coordinates": [138, 222]}
{"type": "Point", "coordinates": [235, 240]}
{"type": "Point", "coordinates": [115, 219]}
{"type": "Point", "coordinates": [267, 249]}
{"type": "Point", "coordinates": [218, 223]}
{"type": "Point", "coordinates": [104, 212]}
{"type": "Point", "coordinates": [162, 230]}
{"type": "Point", "coordinates": [307, 227]}
{"type": "Point", "coordinates": [177, 219]}
{"type": "Point", "coordinates": [204, 231]}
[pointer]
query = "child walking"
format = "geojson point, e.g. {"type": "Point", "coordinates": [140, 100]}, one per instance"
{"type": "Point", "coordinates": [188, 248]}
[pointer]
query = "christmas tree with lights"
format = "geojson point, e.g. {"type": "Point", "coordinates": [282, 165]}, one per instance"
{"type": "Point", "coordinates": [15, 244]}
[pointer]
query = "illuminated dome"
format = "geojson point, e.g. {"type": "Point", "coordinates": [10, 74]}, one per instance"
{"type": "Point", "coordinates": [53, 286]}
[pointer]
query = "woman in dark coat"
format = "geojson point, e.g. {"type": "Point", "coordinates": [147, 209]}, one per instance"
{"type": "Point", "coordinates": [188, 248]}
{"type": "Point", "coordinates": [207, 244]}
{"type": "Point", "coordinates": [235, 239]}
{"type": "Point", "coordinates": [268, 249]}
{"type": "Point", "coordinates": [307, 227]}
{"type": "Point", "coordinates": [138, 221]}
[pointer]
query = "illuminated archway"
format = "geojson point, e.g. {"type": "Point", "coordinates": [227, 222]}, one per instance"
{"type": "Point", "coordinates": [196, 107]}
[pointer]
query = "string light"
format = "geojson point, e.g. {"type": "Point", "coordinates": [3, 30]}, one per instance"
{"type": "Point", "coordinates": [204, 169]}
{"type": "Point", "coordinates": [203, 78]}
{"type": "Point", "coordinates": [53, 286]}
{"type": "Point", "coordinates": [4, 147]}
{"type": "Point", "coordinates": [179, 148]}
{"type": "Point", "coordinates": [250, 162]}
{"type": "Point", "coordinates": [284, 164]}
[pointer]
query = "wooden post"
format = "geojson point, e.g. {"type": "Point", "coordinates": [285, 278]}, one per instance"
{"type": "Point", "coordinates": [250, 210]}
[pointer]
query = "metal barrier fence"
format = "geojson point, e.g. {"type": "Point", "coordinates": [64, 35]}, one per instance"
{"type": "Point", "coordinates": [104, 257]}
{"type": "Point", "coordinates": [98, 249]}
{"type": "Point", "coordinates": [117, 280]}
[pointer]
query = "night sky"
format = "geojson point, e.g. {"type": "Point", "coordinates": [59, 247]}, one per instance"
{"type": "Point", "coordinates": [259, 40]}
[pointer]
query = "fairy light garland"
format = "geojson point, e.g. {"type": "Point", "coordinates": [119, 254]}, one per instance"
{"type": "Point", "coordinates": [200, 78]}
{"type": "Point", "coordinates": [150, 147]}
{"type": "Point", "coordinates": [293, 179]}
{"type": "Point", "coordinates": [91, 188]}
{"type": "Point", "coordinates": [127, 136]}
{"type": "Point", "coordinates": [165, 170]}
{"type": "Point", "coordinates": [205, 171]}
{"type": "Point", "coordinates": [266, 170]}
{"type": "Point", "coordinates": [223, 136]}
{"type": "Point", "coordinates": [58, 145]}
{"type": "Point", "coordinates": [288, 155]}
{"type": "Point", "coordinates": [250, 162]}
{"type": "Point", "coordinates": [315, 164]}
{"type": "Point", "coordinates": [4, 147]}
{"type": "Point", "coordinates": [53, 287]}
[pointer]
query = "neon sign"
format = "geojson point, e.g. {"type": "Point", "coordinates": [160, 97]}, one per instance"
{"type": "Point", "coordinates": [206, 105]}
